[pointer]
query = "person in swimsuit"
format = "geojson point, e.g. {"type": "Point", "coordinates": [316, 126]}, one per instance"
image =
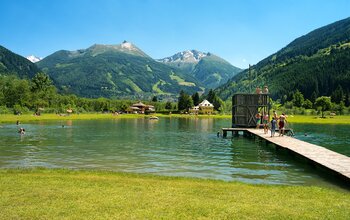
{"type": "Point", "coordinates": [281, 124]}
{"type": "Point", "coordinates": [275, 115]}
{"type": "Point", "coordinates": [273, 126]}
{"type": "Point", "coordinates": [258, 120]}
{"type": "Point", "coordinates": [265, 121]}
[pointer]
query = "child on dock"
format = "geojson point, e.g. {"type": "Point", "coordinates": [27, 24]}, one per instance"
{"type": "Point", "coordinates": [273, 126]}
{"type": "Point", "coordinates": [265, 122]}
{"type": "Point", "coordinates": [258, 120]}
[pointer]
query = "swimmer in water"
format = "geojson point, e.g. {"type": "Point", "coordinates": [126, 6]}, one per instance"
{"type": "Point", "coordinates": [21, 131]}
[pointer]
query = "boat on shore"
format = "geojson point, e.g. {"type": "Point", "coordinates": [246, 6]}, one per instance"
{"type": "Point", "coordinates": [153, 118]}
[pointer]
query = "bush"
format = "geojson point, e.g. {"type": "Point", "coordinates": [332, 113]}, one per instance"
{"type": "Point", "coordinates": [17, 109]}
{"type": "Point", "coordinates": [5, 110]}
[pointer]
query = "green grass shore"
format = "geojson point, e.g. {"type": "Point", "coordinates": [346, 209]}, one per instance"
{"type": "Point", "coordinates": [67, 194]}
{"type": "Point", "coordinates": [9, 118]}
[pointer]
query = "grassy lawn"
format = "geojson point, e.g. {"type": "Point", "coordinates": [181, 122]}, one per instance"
{"type": "Point", "coordinates": [64, 194]}
{"type": "Point", "coordinates": [339, 119]}
{"type": "Point", "coordinates": [10, 118]}
{"type": "Point", "coordinates": [5, 118]}
{"type": "Point", "coordinates": [86, 116]}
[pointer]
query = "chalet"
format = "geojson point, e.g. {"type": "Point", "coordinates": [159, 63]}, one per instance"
{"type": "Point", "coordinates": [205, 107]}
{"type": "Point", "coordinates": [140, 108]}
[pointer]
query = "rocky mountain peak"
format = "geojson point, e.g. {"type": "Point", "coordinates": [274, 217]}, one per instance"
{"type": "Point", "coordinates": [33, 58]}
{"type": "Point", "coordinates": [187, 56]}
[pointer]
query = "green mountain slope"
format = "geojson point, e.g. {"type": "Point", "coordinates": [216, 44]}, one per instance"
{"type": "Point", "coordinates": [315, 64]}
{"type": "Point", "coordinates": [214, 71]}
{"type": "Point", "coordinates": [13, 64]}
{"type": "Point", "coordinates": [211, 70]}
{"type": "Point", "coordinates": [115, 71]}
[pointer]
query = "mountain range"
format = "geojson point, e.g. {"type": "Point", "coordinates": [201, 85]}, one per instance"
{"type": "Point", "coordinates": [315, 64]}
{"type": "Point", "coordinates": [209, 69]}
{"type": "Point", "coordinates": [123, 70]}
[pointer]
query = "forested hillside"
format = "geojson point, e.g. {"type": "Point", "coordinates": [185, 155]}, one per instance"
{"type": "Point", "coordinates": [315, 64]}
{"type": "Point", "coordinates": [13, 64]}
{"type": "Point", "coordinates": [214, 71]}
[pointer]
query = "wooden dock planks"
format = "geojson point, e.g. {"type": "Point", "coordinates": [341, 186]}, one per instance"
{"type": "Point", "coordinates": [334, 161]}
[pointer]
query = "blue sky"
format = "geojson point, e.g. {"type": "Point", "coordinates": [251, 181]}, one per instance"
{"type": "Point", "coordinates": [241, 31]}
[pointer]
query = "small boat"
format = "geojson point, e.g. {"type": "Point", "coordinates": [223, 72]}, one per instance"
{"type": "Point", "coordinates": [153, 118]}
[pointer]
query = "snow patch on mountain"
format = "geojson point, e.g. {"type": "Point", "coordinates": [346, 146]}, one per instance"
{"type": "Point", "coordinates": [33, 58]}
{"type": "Point", "coordinates": [187, 56]}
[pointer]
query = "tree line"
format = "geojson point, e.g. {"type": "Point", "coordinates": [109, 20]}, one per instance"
{"type": "Point", "coordinates": [40, 95]}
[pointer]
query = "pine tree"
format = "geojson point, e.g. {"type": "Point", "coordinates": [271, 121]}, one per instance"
{"type": "Point", "coordinates": [185, 101]}
{"type": "Point", "coordinates": [168, 105]}
{"type": "Point", "coordinates": [195, 98]}
{"type": "Point", "coordinates": [337, 95]}
{"type": "Point", "coordinates": [154, 99]}
{"type": "Point", "coordinates": [211, 96]}
{"type": "Point", "coordinates": [298, 99]}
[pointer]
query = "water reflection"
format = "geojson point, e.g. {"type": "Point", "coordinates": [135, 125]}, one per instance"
{"type": "Point", "coordinates": [169, 146]}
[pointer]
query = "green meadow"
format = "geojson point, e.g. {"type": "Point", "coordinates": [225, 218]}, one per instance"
{"type": "Point", "coordinates": [67, 194]}
{"type": "Point", "coordinates": [339, 119]}
{"type": "Point", "coordinates": [10, 118]}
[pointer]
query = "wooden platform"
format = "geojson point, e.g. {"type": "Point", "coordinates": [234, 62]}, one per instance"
{"type": "Point", "coordinates": [338, 163]}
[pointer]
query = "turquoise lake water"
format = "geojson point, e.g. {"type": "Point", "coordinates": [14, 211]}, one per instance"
{"type": "Point", "coordinates": [169, 146]}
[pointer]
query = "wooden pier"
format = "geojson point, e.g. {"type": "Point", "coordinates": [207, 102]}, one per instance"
{"type": "Point", "coordinates": [335, 162]}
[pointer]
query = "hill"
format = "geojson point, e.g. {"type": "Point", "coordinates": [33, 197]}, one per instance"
{"type": "Point", "coordinates": [211, 70]}
{"type": "Point", "coordinates": [315, 64]}
{"type": "Point", "coordinates": [13, 64]}
{"type": "Point", "coordinates": [115, 71]}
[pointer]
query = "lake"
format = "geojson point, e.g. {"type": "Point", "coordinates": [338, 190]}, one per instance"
{"type": "Point", "coordinates": [168, 146]}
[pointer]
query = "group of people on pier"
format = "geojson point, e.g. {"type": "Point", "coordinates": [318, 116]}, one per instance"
{"type": "Point", "coordinates": [263, 119]}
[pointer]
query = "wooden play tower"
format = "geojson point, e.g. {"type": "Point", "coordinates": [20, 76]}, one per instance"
{"type": "Point", "coordinates": [246, 106]}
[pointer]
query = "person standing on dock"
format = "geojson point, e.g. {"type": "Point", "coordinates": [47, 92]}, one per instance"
{"type": "Point", "coordinates": [275, 115]}
{"type": "Point", "coordinates": [258, 120]}
{"type": "Point", "coordinates": [273, 126]}
{"type": "Point", "coordinates": [282, 123]}
{"type": "Point", "coordinates": [265, 121]}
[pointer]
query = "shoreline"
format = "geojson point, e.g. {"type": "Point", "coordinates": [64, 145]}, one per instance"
{"type": "Point", "coordinates": [299, 119]}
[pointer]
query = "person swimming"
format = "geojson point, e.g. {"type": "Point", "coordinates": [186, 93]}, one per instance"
{"type": "Point", "coordinates": [22, 131]}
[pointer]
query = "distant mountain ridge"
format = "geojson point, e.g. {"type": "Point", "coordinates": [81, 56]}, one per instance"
{"type": "Point", "coordinates": [121, 70]}
{"type": "Point", "coordinates": [315, 64]}
{"type": "Point", "coordinates": [209, 69]}
{"type": "Point", "coordinates": [187, 56]}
